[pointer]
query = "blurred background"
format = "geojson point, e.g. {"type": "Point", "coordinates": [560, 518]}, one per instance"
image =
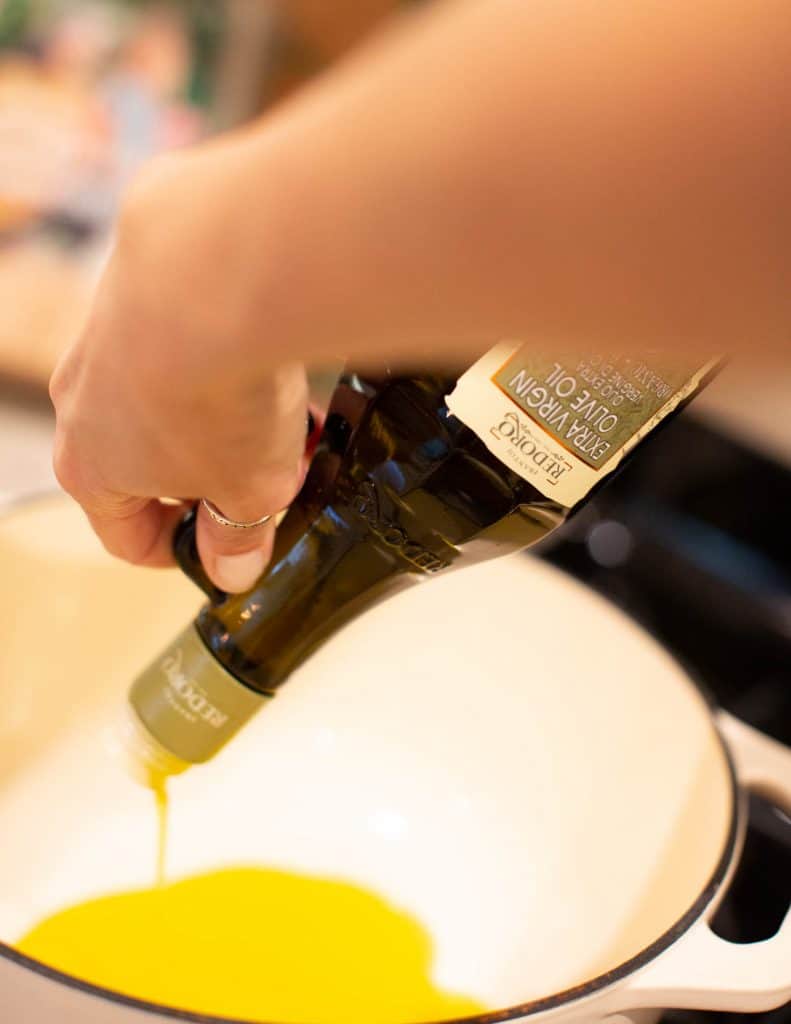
{"type": "Point", "coordinates": [693, 539]}
{"type": "Point", "coordinates": [89, 90]}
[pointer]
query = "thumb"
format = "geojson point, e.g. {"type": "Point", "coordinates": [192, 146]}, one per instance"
{"type": "Point", "coordinates": [234, 557]}
{"type": "Point", "coordinates": [235, 553]}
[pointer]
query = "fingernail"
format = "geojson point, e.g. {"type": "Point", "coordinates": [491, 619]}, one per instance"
{"type": "Point", "coordinates": [235, 573]}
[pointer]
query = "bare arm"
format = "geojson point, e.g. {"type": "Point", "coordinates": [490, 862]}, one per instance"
{"type": "Point", "coordinates": [601, 172]}
{"type": "Point", "coordinates": [617, 173]}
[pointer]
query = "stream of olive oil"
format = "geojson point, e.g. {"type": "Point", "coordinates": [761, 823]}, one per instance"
{"type": "Point", "coordinates": [254, 945]}
{"type": "Point", "coordinates": [160, 790]}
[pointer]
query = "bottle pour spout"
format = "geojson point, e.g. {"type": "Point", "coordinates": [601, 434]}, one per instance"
{"type": "Point", "coordinates": [182, 709]}
{"type": "Point", "coordinates": [144, 758]}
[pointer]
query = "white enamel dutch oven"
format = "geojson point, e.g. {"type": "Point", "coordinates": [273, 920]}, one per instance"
{"type": "Point", "coordinates": [499, 751]}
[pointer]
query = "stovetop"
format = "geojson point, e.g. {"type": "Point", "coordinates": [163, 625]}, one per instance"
{"type": "Point", "coordinates": [693, 540]}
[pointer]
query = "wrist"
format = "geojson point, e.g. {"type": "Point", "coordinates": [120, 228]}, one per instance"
{"type": "Point", "coordinates": [300, 260]}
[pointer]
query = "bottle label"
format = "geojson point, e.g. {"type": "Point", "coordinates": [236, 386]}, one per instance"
{"type": "Point", "coordinates": [564, 423]}
{"type": "Point", "coordinates": [189, 703]}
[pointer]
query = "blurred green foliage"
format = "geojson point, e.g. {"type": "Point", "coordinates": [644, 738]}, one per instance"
{"type": "Point", "coordinates": [14, 21]}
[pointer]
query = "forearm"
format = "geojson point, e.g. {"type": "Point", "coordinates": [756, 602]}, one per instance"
{"type": "Point", "coordinates": [562, 170]}
{"type": "Point", "coordinates": [565, 171]}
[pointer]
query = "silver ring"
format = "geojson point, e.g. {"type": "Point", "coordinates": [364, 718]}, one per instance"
{"type": "Point", "coordinates": [234, 524]}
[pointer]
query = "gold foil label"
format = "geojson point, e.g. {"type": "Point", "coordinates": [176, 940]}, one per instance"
{"type": "Point", "coordinates": [189, 703]}
{"type": "Point", "coordinates": [564, 423]}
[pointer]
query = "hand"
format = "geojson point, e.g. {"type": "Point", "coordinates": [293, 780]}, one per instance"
{"type": "Point", "coordinates": [168, 392]}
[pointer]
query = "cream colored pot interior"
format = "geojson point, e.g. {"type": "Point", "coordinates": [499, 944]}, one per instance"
{"type": "Point", "coordinates": [498, 751]}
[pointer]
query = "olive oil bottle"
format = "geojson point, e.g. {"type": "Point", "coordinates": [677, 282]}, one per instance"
{"type": "Point", "coordinates": [416, 474]}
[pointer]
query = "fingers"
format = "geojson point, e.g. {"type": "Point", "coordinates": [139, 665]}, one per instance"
{"type": "Point", "coordinates": [233, 558]}
{"type": "Point", "coordinates": [136, 529]}
{"type": "Point", "coordinates": [140, 530]}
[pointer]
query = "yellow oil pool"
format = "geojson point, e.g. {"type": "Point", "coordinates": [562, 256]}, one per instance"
{"type": "Point", "coordinates": [255, 945]}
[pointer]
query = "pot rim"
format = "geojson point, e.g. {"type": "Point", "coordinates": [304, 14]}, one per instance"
{"type": "Point", "coordinates": [584, 990]}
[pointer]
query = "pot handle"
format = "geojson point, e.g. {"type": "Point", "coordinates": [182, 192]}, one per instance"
{"type": "Point", "coordinates": [701, 971]}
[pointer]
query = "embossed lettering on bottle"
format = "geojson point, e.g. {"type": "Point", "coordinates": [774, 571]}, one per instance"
{"type": "Point", "coordinates": [366, 504]}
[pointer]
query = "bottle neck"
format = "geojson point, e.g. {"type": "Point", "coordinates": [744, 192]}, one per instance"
{"type": "Point", "coordinates": [182, 709]}
{"type": "Point", "coordinates": [398, 492]}
{"type": "Point", "coordinates": [327, 567]}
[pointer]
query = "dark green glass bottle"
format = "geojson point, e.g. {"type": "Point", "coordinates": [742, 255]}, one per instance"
{"type": "Point", "coordinates": [400, 490]}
